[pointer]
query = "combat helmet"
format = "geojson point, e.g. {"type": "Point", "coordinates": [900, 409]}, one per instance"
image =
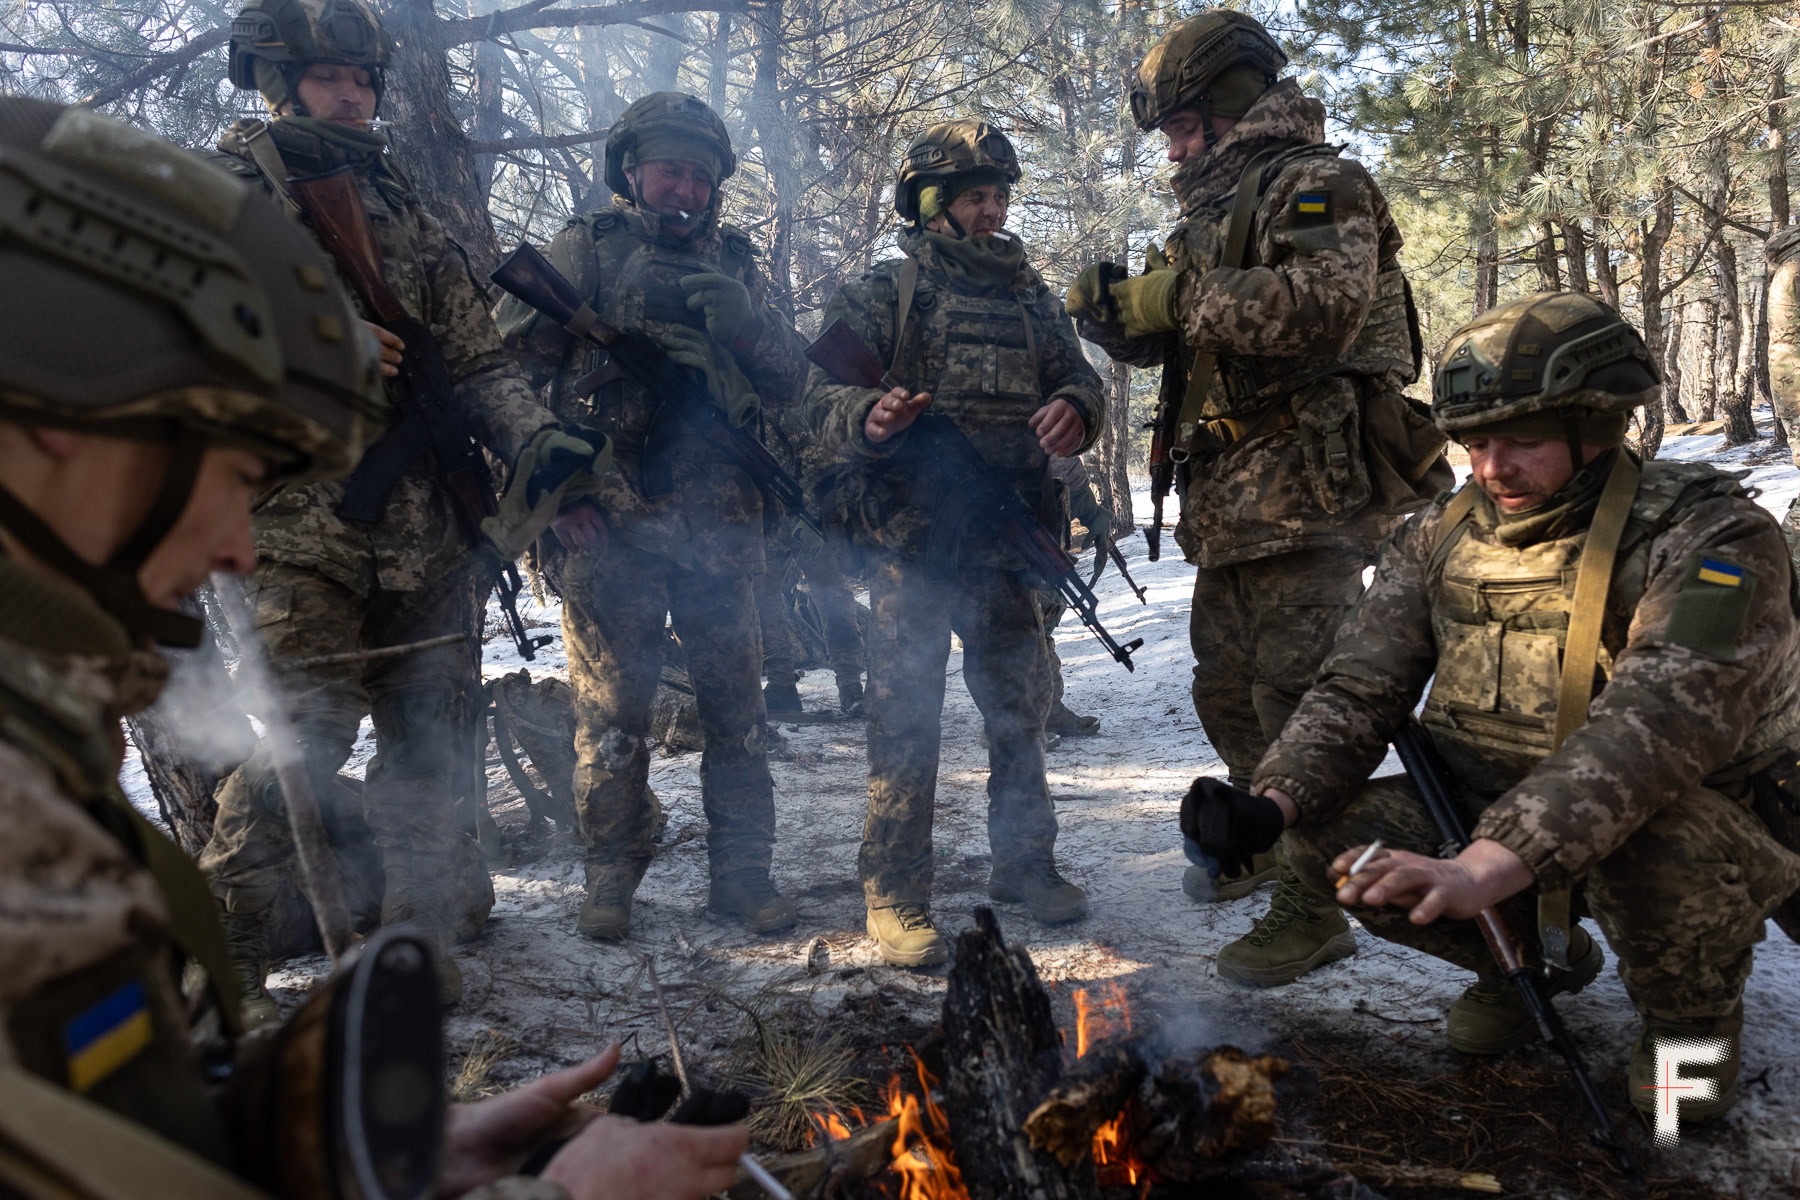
{"type": "Point", "coordinates": [153, 296]}
{"type": "Point", "coordinates": [1554, 362]}
{"type": "Point", "coordinates": [291, 34]}
{"type": "Point", "coordinates": [667, 125]}
{"type": "Point", "coordinates": [1217, 62]}
{"type": "Point", "coordinates": [967, 150]}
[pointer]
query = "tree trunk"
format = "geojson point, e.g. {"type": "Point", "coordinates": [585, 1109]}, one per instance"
{"type": "Point", "coordinates": [1674, 379]}
{"type": "Point", "coordinates": [603, 104]}
{"type": "Point", "coordinates": [776, 139]}
{"type": "Point", "coordinates": [1004, 1056]}
{"type": "Point", "coordinates": [429, 143]}
{"type": "Point", "coordinates": [1575, 252]}
{"type": "Point", "coordinates": [1737, 359]}
{"type": "Point", "coordinates": [1779, 215]}
{"type": "Point", "coordinates": [719, 63]}
{"type": "Point", "coordinates": [1703, 350]}
{"type": "Point", "coordinates": [1657, 321]}
{"type": "Point", "coordinates": [663, 70]}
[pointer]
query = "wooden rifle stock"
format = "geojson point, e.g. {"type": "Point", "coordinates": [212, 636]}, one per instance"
{"type": "Point", "coordinates": [334, 206]}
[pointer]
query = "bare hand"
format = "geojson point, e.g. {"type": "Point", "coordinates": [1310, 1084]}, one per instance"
{"type": "Point", "coordinates": [893, 413]}
{"type": "Point", "coordinates": [1059, 427]}
{"type": "Point", "coordinates": [488, 1139]}
{"type": "Point", "coordinates": [581, 526]}
{"type": "Point", "coordinates": [617, 1158]}
{"type": "Point", "coordinates": [1480, 877]}
{"type": "Point", "coordinates": [391, 348]}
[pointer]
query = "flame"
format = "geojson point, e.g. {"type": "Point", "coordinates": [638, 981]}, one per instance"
{"type": "Point", "coordinates": [1096, 1021]}
{"type": "Point", "coordinates": [922, 1159]}
{"type": "Point", "coordinates": [833, 1126]}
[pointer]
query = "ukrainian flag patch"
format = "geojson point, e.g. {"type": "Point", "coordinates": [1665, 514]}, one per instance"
{"type": "Point", "coordinates": [107, 1036]}
{"type": "Point", "coordinates": [1312, 208]}
{"type": "Point", "coordinates": [1723, 574]}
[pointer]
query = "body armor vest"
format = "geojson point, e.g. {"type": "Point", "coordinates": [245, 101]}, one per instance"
{"type": "Point", "coordinates": [1500, 615]}
{"type": "Point", "coordinates": [1388, 346]}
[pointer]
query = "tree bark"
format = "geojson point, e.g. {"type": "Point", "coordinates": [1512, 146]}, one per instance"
{"type": "Point", "coordinates": [1674, 376]}
{"type": "Point", "coordinates": [1703, 348]}
{"type": "Point", "coordinates": [1737, 362]}
{"type": "Point", "coordinates": [1657, 320]}
{"type": "Point", "coordinates": [1575, 252]}
{"type": "Point", "coordinates": [776, 139]}
{"type": "Point", "coordinates": [1779, 209]}
{"type": "Point", "coordinates": [1004, 1056]}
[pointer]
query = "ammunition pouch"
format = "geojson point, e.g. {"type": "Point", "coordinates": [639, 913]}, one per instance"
{"type": "Point", "coordinates": [347, 1100]}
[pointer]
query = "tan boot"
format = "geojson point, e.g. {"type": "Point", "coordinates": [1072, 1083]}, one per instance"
{"type": "Point", "coordinates": [1041, 888]}
{"type": "Point", "coordinates": [1202, 888]}
{"type": "Point", "coordinates": [1649, 1093]}
{"type": "Point", "coordinates": [606, 911]}
{"type": "Point", "coordinates": [906, 937]}
{"type": "Point", "coordinates": [749, 898]}
{"type": "Point", "coordinates": [1297, 934]}
{"type": "Point", "coordinates": [1491, 1018]}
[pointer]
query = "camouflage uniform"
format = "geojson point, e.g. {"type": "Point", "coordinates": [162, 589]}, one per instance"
{"type": "Point", "coordinates": [1698, 673]}
{"type": "Point", "coordinates": [1309, 450]}
{"type": "Point", "coordinates": [326, 583]}
{"type": "Point", "coordinates": [692, 554]}
{"type": "Point", "coordinates": [1783, 255]}
{"type": "Point", "coordinates": [969, 347]}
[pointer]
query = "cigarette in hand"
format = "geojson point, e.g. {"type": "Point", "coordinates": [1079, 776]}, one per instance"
{"type": "Point", "coordinates": [1362, 860]}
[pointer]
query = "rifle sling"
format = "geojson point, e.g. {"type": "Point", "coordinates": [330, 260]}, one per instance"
{"type": "Point", "coordinates": [1205, 362]}
{"type": "Point", "coordinates": [367, 489]}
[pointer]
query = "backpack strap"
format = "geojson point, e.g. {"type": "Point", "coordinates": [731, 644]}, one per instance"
{"type": "Point", "coordinates": [909, 285]}
{"type": "Point", "coordinates": [262, 151]}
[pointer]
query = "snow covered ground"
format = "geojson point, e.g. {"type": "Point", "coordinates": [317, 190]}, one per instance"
{"type": "Point", "coordinates": [549, 997]}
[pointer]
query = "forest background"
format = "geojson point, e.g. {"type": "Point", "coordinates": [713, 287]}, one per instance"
{"type": "Point", "coordinates": [1643, 152]}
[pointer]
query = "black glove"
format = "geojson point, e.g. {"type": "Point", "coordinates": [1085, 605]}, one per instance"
{"type": "Point", "coordinates": [1224, 825]}
{"type": "Point", "coordinates": [646, 1091]}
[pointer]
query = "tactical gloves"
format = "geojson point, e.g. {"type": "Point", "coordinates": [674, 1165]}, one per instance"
{"type": "Point", "coordinates": [730, 388]}
{"type": "Point", "coordinates": [1087, 296]}
{"type": "Point", "coordinates": [535, 490]}
{"type": "Point", "coordinates": [1146, 302]}
{"type": "Point", "coordinates": [726, 302]}
{"type": "Point", "coordinates": [1223, 826]}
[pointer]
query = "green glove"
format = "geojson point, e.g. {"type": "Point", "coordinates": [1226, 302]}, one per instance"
{"type": "Point", "coordinates": [725, 301]}
{"type": "Point", "coordinates": [1086, 297]}
{"type": "Point", "coordinates": [1156, 258]}
{"type": "Point", "coordinates": [523, 515]}
{"type": "Point", "coordinates": [730, 389]}
{"type": "Point", "coordinates": [1147, 303]}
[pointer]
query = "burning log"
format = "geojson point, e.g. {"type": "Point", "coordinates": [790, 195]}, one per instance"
{"type": "Point", "coordinates": [1004, 1055]}
{"type": "Point", "coordinates": [862, 1154]}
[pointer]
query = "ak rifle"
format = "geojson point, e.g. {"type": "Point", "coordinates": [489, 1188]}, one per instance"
{"type": "Point", "coordinates": [528, 276]}
{"type": "Point", "coordinates": [1112, 548]}
{"type": "Point", "coordinates": [968, 484]}
{"type": "Point", "coordinates": [428, 419]}
{"type": "Point", "coordinates": [1512, 952]}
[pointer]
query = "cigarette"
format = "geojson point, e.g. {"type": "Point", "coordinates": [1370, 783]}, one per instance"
{"type": "Point", "coordinates": [685, 215]}
{"type": "Point", "coordinates": [764, 1180]}
{"type": "Point", "coordinates": [1362, 860]}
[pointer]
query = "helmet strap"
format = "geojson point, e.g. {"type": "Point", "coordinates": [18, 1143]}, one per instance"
{"type": "Point", "coordinates": [1204, 105]}
{"type": "Point", "coordinates": [1572, 436]}
{"type": "Point", "coordinates": [115, 585]}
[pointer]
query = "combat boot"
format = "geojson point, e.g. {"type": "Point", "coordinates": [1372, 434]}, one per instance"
{"type": "Point", "coordinates": [906, 937]}
{"type": "Point", "coordinates": [1490, 1018]}
{"type": "Point", "coordinates": [422, 894]}
{"type": "Point", "coordinates": [247, 938]}
{"type": "Point", "coordinates": [1201, 888]}
{"type": "Point", "coordinates": [1297, 934]}
{"type": "Point", "coordinates": [1067, 723]}
{"type": "Point", "coordinates": [1649, 1093]}
{"type": "Point", "coordinates": [749, 898]}
{"type": "Point", "coordinates": [850, 693]}
{"type": "Point", "coordinates": [782, 698]}
{"type": "Point", "coordinates": [606, 911]}
{"type": "Point", "coordinates": [1041, 888]}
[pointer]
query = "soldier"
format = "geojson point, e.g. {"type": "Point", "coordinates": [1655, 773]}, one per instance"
{"type": "Point", "coordinates": [661, 261]}
{"type": "Point", "coordinates": [334, 575]}
{"type": "Point", "coordinates": [127, 468]}
{"type": "Point", "coordinates": [1783, 255]}
{"type": "Point", "coordinates": [1649, 805]}
{"type": "Point", "coordinates": [970, 327]}
{"type": "Point", "coordinates": [1284, 326]}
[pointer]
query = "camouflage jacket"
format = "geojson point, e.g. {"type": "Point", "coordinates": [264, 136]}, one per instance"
{"type": "Point", "coordinates": [1783, 253]}
{"type": "Point", "coordinates": [1698, 669]}
{"type": "Point", "coordinates": [1315, 445]}
{"type": "Point", "coordinates": [984, 368]}
{"type": "Point", "coordinates": [417, 538]}
{"type": "Point", "coordinates": [713, 519]}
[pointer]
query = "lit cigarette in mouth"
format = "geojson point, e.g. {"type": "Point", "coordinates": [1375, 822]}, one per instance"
{"type": "Point", "coordinates": [1362, 860]}
{"type": "Point", "coordinates": [685, 215]}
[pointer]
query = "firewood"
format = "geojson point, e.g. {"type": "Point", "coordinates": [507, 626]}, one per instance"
{"type": "Point", "coordinates": [863, 1155]}
{"type": "Point", "coordinates": [1199, 1108]}
{"type": "Point", "coordinates": [1094, 1091]}
{"type": "Point", "coordinates": [1003, 1056]}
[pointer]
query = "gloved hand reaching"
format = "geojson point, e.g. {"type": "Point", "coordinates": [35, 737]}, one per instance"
{"type": "Point", "coordinates": [1223, 826]}
{"type": "Point", "coordinates": [731, 389]}
{"type": "Point", "coordinates": [535, 489]}
{"type": "Point", "coordinates": [726, 302]}
{"type": "Point", "coordinates": [1087, 296]}
{"type": "Point", "coordinates": [1146, 302]}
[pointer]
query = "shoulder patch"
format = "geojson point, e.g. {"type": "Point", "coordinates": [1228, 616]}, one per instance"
{"type": "Point", "coordinates": [1711, 606]}
{"type": "Point", "coordinates": [1312, 208]}
{"type": "Point", "coordinates": [107, 1035]}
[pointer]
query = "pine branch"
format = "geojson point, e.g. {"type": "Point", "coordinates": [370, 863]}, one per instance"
{"type": "Point", "coordinates": [536, 15]}
{"type": "Point", "coordinates": [540, 142]}
{"type": "Point", "coordinates": [162, 64]}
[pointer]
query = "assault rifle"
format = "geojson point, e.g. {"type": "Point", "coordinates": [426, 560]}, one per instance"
{"type": "Point", "coordinates": [969, 487]}
{"type": "Point", "coordinates": [529, 276]}
{"type": "Point", "coordinates": [1513, 953]}
{"type": "Point", "coordinates": [1112, 548]}
{"type": "Point", "coordinates": [1162, 424]}
{"type": "Point", "coordinates": [428, 419]}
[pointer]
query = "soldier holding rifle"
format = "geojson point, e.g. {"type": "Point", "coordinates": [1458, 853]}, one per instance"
{"type": "Point", "coordinates": [968, 328]}
{"type": "Point", "coordinates": [1614, 668]}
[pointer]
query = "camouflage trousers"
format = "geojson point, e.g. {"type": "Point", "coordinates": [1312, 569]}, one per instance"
{"type": "Point", "coordinates": [615, 600]}
{"type": "Point", "coordinates": [832, 597]}
{"type": "Point", "coordinates": [996, 615]}
{"type": "Point", "coordinates": [414, 701]}
{"type": "Point", "coordinates": [1259, 631]}
{"type": "Point", "coordinates": [1784, 387]}
{"type": "Point", "coordinates": [1682, 901]}
{"type": "Point", "coordinates": [780, 652]}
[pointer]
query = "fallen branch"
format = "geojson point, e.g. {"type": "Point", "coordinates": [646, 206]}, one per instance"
{"type": "Point", "coordinates": [345, 657]}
